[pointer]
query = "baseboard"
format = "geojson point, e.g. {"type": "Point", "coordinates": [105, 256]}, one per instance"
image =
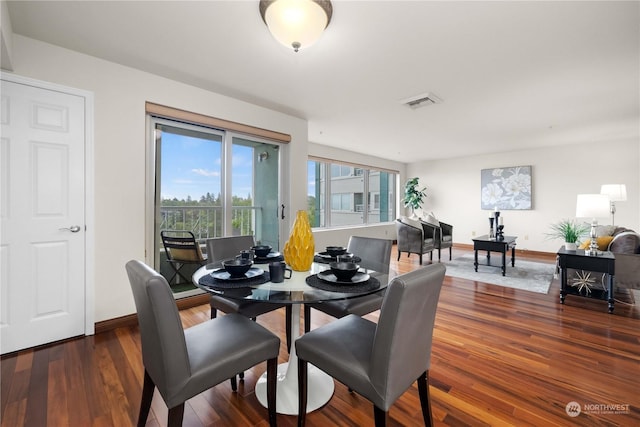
{"type": "Point", "coordinates": [132, 319]}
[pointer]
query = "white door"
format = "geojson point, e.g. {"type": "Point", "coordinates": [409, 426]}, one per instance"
{"type": "Point", "coordinates": [42, 250]}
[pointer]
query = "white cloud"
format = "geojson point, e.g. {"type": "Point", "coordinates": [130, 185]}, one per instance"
{"type": "Point", "coordinates": [205, 172]}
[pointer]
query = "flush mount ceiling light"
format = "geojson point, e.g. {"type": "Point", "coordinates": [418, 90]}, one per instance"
{"type": "Point", "coordinates": [296, 23]}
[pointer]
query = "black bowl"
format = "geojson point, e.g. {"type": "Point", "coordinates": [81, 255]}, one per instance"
{"type": "Point", "coordinates": [344, 271]}
{"type": "Point", "coordinates": [237, 267]}
{"type": "Point", "coordinates": [262, 250]}
{"type": "Point", "coordinates": [336, 250]}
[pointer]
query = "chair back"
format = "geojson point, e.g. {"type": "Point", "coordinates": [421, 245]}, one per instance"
{"type": "Point", "coordinates": [164, 349]}
{"type": "Point", "coordinates": [222, 248]}
{"type": "Point", "coordinates": [402, 344]}
{"type": "Point", "coordinates": [181, 245]}
{"type": "Point", "coordinates": [374, 253]}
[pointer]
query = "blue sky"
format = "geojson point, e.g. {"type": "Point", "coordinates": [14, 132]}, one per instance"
{"type": "Point", "coordinates": [192, 166]}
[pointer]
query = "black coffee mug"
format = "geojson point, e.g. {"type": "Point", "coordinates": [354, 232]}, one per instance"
{"type": "Point", "coordinates": [277, 271]}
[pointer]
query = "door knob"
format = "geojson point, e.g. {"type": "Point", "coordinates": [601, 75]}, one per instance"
{"type": "Point", "coordinates": [73, 229]}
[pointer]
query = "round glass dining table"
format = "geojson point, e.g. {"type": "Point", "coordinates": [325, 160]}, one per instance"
{"type": "Point", "coordinates": [303, 287]}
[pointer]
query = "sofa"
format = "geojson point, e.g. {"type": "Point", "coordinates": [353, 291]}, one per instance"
{"type": "Point", "coordinates": [625, 245]}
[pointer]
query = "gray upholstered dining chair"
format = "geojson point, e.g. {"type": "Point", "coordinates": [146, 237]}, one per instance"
{"type": "Point", "coordinates": [182, 363]}
{"type": "Point", "coordinates": [380, 362]}
{"type": "Point", "coordinates": [375, 254]}
{"type": "Point", "coordinates": [223, 248]}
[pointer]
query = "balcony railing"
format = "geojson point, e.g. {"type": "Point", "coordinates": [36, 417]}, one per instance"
{"type": "Point", "coordinates": [206, 221]}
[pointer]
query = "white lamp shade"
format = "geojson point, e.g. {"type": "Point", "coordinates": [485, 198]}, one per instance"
{"type": "Point", "coordinates": [592, 206]}
{"type": "Point", "coordinates": [616, 192]}
{"type": "Point", "coordinates": [296, 23]}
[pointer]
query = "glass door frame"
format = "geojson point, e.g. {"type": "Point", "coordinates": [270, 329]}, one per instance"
{"type": "Point", "coordinates": [152, 199]}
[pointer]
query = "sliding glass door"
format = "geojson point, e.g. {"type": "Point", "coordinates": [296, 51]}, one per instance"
{"type": "Point", "coordinates": [214, 184]}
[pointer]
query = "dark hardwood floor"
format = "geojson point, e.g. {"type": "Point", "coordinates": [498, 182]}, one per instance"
{"type": "Point", "coordinates": [500, 357]}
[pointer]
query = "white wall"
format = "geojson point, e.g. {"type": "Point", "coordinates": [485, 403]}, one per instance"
{"type": "Point", "coordinates": [6, 37]}
{"type": "Point", "coordinates": [559, 174]}
{"type": "Point", "coordinates": [324, 238]}
{"type": "Point", "coordinates": [120, 187]}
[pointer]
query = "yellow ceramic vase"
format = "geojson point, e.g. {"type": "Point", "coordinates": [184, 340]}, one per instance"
{"type": "Point", "coordinates": [300, 248]}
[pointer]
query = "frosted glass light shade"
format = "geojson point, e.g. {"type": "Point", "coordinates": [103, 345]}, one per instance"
{"type": "Point", "coordinates": [592, 206]}
{"type": "Point", "coordinates": [616, 192]}
{"type": "Point", "coordinates": [297, 24]}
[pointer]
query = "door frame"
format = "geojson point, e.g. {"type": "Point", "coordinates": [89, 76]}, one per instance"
{"type": "Point", "coordinates": [89, 180]}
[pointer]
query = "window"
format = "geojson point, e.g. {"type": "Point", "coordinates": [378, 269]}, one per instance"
{"type": "Point", "coordinates": [213, 183]}
{"type": "Point", "coordinates": [355, 195]}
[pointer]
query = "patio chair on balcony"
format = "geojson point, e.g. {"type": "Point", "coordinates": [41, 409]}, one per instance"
{"type": "Point", "coordinates": [181, 249]}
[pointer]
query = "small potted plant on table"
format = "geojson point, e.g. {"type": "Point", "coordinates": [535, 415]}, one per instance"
{"type": "Point", "coordinates": [568, 230]}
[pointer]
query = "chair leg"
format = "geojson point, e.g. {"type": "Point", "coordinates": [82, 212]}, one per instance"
{"type": "Point", "coordinates": [425, 399]}
{"type": "Point", "coordinates": [145, 402]}
{"type": "Point", "coordinates": [175, 416]}
{"type": "Point", "coordinates": [449, 253]}
{"type": "Point", "coordinates": [234, 383]}
{"type": "Point", "coordinates": [214, 313]}
{"type": "Point", "coordinates": [287, 323]}
{"type": "Point", "coordinates": [379, 416]}
{"type": "Point", "coordinates": [302, 392]}
{"type": "Point", "coordinates": [272, 382]}
{"type": "Point", "coordinates": [399, 253]}
{"type": "Point", "coordinates": [431, 256]}
{"type": "Point", "coordinates": [420, 258]}
{"type": "Point", "coordinates": [307, 318]}
{"type": "Point", "coordinates": [438, 254]}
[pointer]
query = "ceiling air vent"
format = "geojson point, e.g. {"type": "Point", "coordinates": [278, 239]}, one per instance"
{"type": "Point", "coordinates": [421, 100]}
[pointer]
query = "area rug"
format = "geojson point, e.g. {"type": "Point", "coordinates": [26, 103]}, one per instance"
{"type": "Point", "coordinates": [526, 275]}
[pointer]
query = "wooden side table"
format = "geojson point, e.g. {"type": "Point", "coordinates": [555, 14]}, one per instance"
{"type": "Point", "coordinates": [604, 262]}
{"type": "Point", "coordinates": [485, 243]}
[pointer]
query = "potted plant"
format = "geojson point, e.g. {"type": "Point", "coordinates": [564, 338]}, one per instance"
{"type": "Point", "coordinates": [568, 230]}
{"type": "Point", "coordinates": [413, 196]}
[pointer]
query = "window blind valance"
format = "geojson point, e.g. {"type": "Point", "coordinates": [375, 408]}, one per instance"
{"type": "Point", "coordinates": [201, 119]}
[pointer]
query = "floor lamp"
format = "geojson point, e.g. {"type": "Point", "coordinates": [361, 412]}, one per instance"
{"type": "Point", "coordinates": [616, 193]}
{"type": "Point", "coordinates": [592, 206]}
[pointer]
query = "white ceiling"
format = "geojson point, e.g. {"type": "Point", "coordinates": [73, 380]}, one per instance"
{"type": "Point", "coordinates": [513, 75]}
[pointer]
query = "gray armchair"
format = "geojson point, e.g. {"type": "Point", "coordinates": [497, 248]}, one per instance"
{"type": "Point", "coordinates": [379, 362]}
{"type": "Point", "coordinates": [182, 363]}
{"type": "Point", "coordinates": [416, 237]}
{"type": "Point", "coordinates": [444, 238]}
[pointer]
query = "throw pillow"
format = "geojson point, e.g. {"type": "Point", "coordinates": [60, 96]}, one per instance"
{"type": "Point", "coordinates": [431, 219]}
{"type": "Point", "coordinates": [603, 243]}
{"type": "Point", "coordinates": [412, 222]}
{"type": "Point", "coordinates": [605, 230]}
